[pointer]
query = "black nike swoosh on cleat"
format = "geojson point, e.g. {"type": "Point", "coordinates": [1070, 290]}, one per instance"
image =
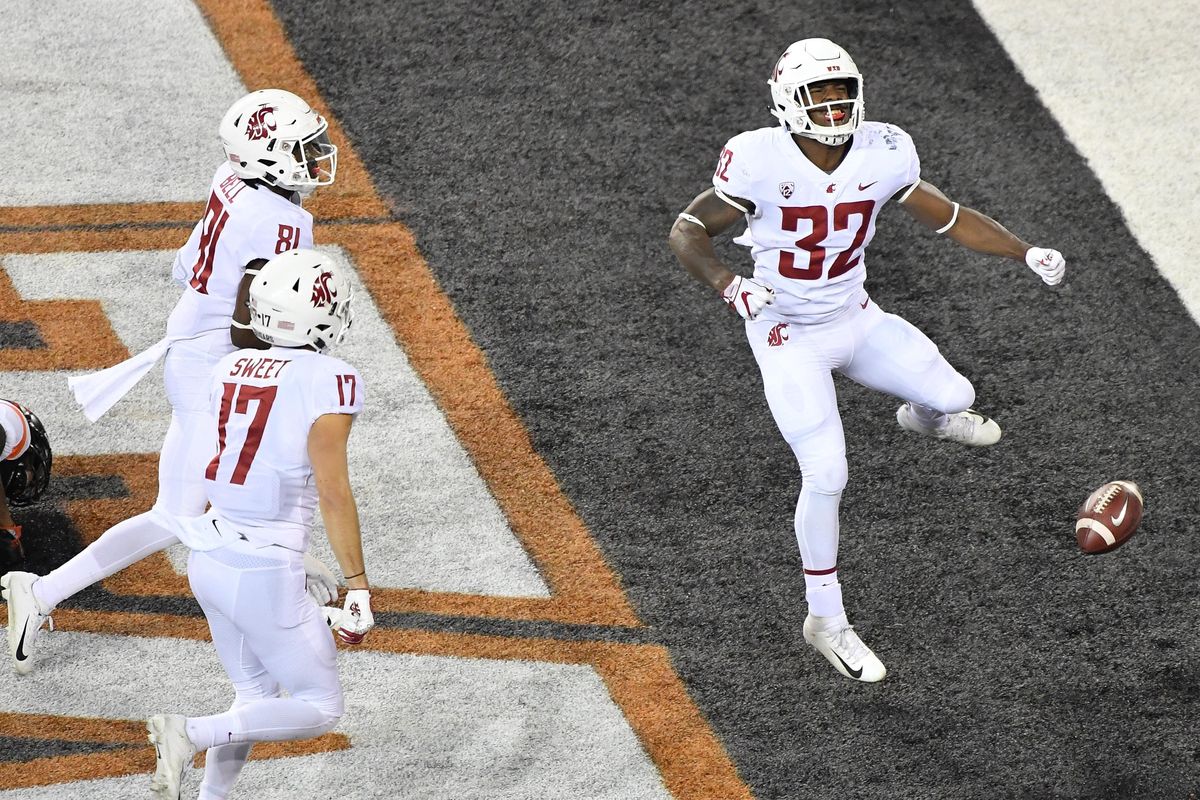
{"type": "Point", "coordinates": [21, 656]}
{"type": "Point", "coordinates": [854, 673]}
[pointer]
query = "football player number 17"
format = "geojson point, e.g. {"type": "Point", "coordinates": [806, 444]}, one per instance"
{"type": "Point", "coordinates": [236, 399]}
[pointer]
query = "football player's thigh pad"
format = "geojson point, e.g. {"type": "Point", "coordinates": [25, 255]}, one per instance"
{"type": "Point", "coordinates": [895, 357]}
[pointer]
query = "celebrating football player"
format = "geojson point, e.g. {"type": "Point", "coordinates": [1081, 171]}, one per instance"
{"type": "Point", "coordinates": [277, 151]}
{"type": "Point", "coordinates": [282, 419]}
{"type": "Point", "coordinates": [809, 192]}
{"type": "Point", "coordinates": [25, 462]}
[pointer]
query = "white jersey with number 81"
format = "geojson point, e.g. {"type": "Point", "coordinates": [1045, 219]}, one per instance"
{"type": "Point", "coordinates": [240, 224]}
{"type": "Point", "coordinates": [264, 402]}
{"type": "Point", "coordinates": [810, 228]}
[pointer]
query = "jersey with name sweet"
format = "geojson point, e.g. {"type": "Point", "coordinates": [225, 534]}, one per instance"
{"type": "Point", "coordinates": [240, 223]}
{"type": "Point", "coordinates": [810, 229]}
{"type": "Point", "coordinates": [264, 402]}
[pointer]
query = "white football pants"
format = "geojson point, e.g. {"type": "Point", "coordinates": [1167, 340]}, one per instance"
{"type": "Point", "coordinates": [269, 636]}
{"type": "Point", "coordinates": [186, 451]}
{"type": "Point", "coordinates": [877, 350]}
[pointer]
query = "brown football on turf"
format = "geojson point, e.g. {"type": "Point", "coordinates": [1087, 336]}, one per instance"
{"type": "Point", "coordinates": [1109, 517]}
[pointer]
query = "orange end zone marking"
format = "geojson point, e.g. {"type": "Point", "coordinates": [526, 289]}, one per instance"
{"type": "Point", "coordinates": [58, 322]}
{"type": "Point", "coordinates": [133, 756]}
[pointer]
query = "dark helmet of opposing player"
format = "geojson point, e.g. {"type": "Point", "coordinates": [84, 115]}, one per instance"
{"type": "Point", "coordinates": [27, 476]}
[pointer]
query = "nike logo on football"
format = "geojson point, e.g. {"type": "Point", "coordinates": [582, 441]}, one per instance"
{"type": "Point", "coordinates": [862, 187]}
{"type": "Point", "coordinates": [854, 673]}
{"type": "Point", "coordinates": [1119, 518]}
{"type": "Point", "coordinates": [21, 654]}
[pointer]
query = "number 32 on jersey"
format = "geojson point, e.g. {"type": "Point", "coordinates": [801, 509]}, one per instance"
{"type": "Point", "coordinates": [857, 213]}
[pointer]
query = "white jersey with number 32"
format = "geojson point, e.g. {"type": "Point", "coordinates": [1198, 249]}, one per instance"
{"type": "Point", "coordinates": [264, 403]}
{"type": "Point", "coordinates": [810, 228]}
{"type": "Point", "coordinates": [241, 223]}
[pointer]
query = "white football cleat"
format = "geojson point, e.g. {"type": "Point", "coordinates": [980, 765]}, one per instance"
{"type": "Point", "coordinates": [168, 734]}
{"type": "Point", "coordinates": [966, 427]}
{"type": "Point", "coordinates": [834, 638]}
{"type": "Point", "coordinates": [25, 618]}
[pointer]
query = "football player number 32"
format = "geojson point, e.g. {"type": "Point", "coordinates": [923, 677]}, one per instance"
{"type": "Point", "coordinates": [818, 217]}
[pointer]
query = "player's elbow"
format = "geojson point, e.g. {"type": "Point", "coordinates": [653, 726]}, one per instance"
{"type": "Point", "coordinates": [681, 238]}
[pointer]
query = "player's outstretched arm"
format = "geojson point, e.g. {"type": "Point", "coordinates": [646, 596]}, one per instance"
{"type": "Point", "coordinates": [691, 241]}
{"type": "Point", "coordinates": [327, 452]}
{"type": "Point", "coordinates": [981, 233]}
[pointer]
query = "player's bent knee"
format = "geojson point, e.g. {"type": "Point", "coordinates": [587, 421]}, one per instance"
{"type": "Point", "coordinates": [959, 396]}
{"type": "Point", "coordinates": [330, 704]}
{"type": "Point", "coordinates": [956, 394]}
{"type": "Point", "coordinates": [828, 476]}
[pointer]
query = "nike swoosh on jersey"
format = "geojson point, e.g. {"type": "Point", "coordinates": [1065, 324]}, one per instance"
{"type": "Point", "coordinates": [862, 187]}
{"type": "Point", "coordinates": [1119, 518]}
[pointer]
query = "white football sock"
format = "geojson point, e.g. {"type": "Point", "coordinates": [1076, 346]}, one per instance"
{"type": "Point", "coordinates": [117, 548]}
{"type": "Point", "coordinates": [222, 766]}
{"type": "Point", "coordinates": [824, 600]}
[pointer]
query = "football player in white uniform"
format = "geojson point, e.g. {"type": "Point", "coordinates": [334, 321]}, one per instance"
{"type": "Point", "coordinates": [277, 152]}
{"type": "Point", "coordinates": [282, 419]}
{"type": "Point", "coordinates": [809, 192]}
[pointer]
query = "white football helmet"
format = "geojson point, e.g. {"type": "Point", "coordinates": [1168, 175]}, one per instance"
{"type": "Point", "coordinates": [274, 136]}
{"type": "Point", "coordinates": [804, 63]}
{"type": "Point", "coordinates": [301, 298]}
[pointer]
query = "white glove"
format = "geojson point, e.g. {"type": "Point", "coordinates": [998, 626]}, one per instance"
{"type": "Point", "coordinates": [354, 619]}
{"type": "Point", "coordinates": [1048, 264]}
{"type": "Point", "coordinates": [319, 581]}
{"type": "Point", "coordinates": [747, 296]}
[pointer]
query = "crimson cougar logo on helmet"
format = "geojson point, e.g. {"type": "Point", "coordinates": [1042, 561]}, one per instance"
{"type": "Point", "coordinates": [260, 124]}
{"type": "Point", "coordinates": [322, 295]}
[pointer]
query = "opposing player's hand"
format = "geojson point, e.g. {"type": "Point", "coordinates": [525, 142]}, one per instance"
{"type": "Point", "coordinates": [354, 619]}
{"type": "Point", "coordinates": [1048, 264]}
{"type": "Point", "coordinates": [319, 581]}
{"type": "Point", "coordinates": [747, 296]}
